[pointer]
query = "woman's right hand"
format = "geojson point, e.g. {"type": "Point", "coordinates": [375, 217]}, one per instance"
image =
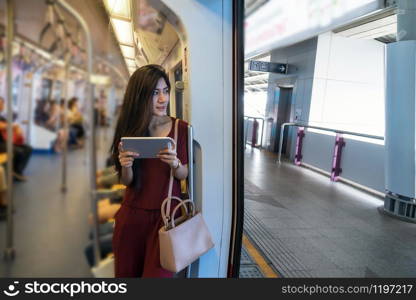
{"type": "Point", "coordinates": [126, 158]}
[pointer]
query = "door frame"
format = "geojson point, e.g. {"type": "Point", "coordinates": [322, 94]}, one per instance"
{"type": "Point", "coordinates": [238, 140]}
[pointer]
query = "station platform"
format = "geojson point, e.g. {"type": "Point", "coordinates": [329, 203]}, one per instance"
{"type": "Point", "coordinates": [307, 226]}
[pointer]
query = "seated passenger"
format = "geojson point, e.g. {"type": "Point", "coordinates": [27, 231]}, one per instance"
{"type": "Point", "coordinates": [53, 121]}
{"type": "Point", "coordinates": [106, 212]}
{"type": "Point", "coordinates": [62, 110]}
{"type": "Point", "coordinates": [3, 188]}
{"type": "Point", "coordinates": [106, 247]}
{"type": "Point", "coordinates": [21, 151]}
{"type": "Point", "coordinates": [106, 178]}
{"type": "Point", "coordinates": [54, 124]}
{"type": "Point", "coordinates": [71, 132]}
{"type": "Point", "coordinates": [75, 120]}
{"type": "Point", "coordinates": [107, 209]}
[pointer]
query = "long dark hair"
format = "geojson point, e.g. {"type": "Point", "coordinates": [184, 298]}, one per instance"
{"type": "Point", "coordinates": [137, 108]}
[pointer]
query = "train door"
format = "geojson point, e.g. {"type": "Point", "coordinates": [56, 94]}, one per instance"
{"type": "Point", "coordinates": [279, 114]}
{"type": "Point", "coordinates": [212, 55]}
{"type": "Point", "coordinates": [178, 92]}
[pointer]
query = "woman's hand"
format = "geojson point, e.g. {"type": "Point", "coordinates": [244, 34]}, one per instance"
{"type": "Point", "coordinates": [126, 158]}
{"type": "Point", "coordinates": [168, 156]}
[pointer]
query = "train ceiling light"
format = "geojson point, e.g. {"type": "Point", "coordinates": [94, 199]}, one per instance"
{"type": "Point", "coordinates": [127, 51]}
{"type": "Point", "coordinates": [120, 17]}
{"type": "Point", "coordinates": [123, 30]}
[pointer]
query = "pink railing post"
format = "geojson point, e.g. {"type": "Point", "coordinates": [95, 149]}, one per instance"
{"type": "Point", "coordinates": [299, 143]}
{"type": "Point", "coordinates": [336, 159]}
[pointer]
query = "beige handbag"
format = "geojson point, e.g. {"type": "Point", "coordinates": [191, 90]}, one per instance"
{"type": "Point", "coordinates": [184, 240]}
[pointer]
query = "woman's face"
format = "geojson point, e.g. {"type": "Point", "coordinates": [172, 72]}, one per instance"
{"type": "Point", "coordinates": [160, 98]}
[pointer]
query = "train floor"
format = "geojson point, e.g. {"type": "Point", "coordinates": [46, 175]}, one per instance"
{"type": "Point", "coordinates": [51, 228]}
{"type": "Point", "coordinates": [307, 226]}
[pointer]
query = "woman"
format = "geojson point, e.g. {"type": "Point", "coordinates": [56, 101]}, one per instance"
{"type": "Point", "coordinates": [54, 116]}
{"type": "Point", "coordinates": [75, 120]}
{"type": "Point", "coordinates": [135, 239]}
{"type": "Point", "coordinates": [53, 124]}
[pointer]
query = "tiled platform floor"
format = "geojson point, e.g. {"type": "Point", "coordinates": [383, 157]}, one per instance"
{"type": "Point", "coordinates": [327, 229]}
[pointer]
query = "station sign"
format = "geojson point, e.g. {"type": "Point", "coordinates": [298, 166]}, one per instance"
{"type": "Point", "coordinates": [265, 66]}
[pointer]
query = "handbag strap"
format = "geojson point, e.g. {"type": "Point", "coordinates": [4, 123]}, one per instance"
{"type": "Point", "coordinates": [167, 212]}
{"type": "Point", "coordinates": [192, 212]}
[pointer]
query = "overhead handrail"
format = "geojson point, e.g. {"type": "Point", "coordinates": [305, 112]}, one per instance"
{"type": "Point", "coordinates": [114, 68]}
{"type": "Point", "coordinates": [282, 128]}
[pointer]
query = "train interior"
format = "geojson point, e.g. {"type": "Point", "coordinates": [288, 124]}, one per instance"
{"type": "Point", "coordinates": [309, 114]}
{"type": "Point", "coordinates": [74, 59]}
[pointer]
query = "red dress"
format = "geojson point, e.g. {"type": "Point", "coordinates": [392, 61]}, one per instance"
{"type": "Point", "coordinates": [137, 222]}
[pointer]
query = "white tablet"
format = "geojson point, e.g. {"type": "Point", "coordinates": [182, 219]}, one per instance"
{"type": "Point", "coordinates": [147, 147]}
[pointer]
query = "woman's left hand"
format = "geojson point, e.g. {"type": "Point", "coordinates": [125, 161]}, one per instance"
{"type": "Point", "coordinates": [169, 156]}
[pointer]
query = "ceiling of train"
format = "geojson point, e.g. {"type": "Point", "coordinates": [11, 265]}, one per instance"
{"type": "Point", "coordinates": [155, 33]}
{"type": "Point", "coordinates": [145, 30]}
{"type": "Point", "coordinates": [39, 23]}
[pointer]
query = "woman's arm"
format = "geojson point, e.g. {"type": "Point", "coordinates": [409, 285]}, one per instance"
{"type": "Point", "coordinates": [126, 176]}
{"type": "Point", "coordinates": [169, 156]}
{"type": "Point", "coordinates": [181, 171]}
{"type": "Point", "coordinates": [126, 159]}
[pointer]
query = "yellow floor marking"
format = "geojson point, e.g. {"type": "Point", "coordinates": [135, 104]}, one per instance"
{"type": "Point", "coordinates": [258, 259]}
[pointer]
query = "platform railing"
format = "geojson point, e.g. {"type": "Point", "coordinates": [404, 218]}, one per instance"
{"type": "Point", "coordinates": [395, 205]}
{"type": "Point", "coordinates": [337, 131]}
{"type": "Point", "coordinates": [247, 126]}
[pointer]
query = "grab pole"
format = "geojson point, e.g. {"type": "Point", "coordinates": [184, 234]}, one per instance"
{"type": "Point", "coordinates": [9, 252]}
{"type": "Point", "coordinates": [92, 148]}
{"type": "Point", "coordinates": [65, 127]}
